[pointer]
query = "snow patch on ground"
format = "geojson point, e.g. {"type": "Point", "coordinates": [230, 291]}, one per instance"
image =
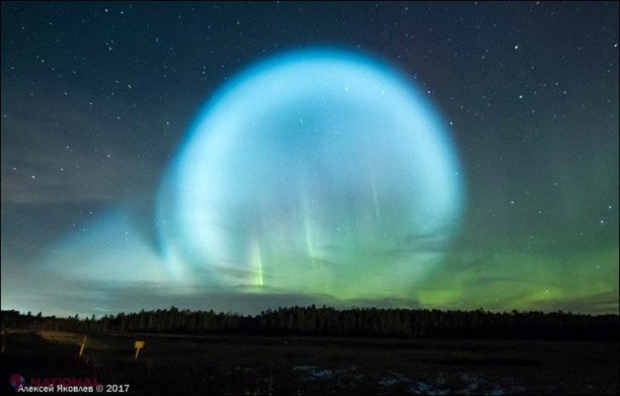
{"type": "Point", "coordinates": [315, 371]}
{"type": "Point", "coordinates": [423, 388]}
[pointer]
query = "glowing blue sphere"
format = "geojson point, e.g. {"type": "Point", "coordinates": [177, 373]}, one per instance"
{"type": "Point", "coordinates": [317, 171]}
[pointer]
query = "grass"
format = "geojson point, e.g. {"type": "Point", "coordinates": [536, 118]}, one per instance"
{"type": "Point", "coordinates": [297, 365]}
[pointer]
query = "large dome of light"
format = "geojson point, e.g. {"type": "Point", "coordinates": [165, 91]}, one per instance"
{"type": "Point", "coordinates": [317, 171]}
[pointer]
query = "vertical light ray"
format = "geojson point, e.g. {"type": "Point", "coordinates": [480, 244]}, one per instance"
{"type": "Point", "coordinates": [307, 224]}
{"type": "Point", "coordinates": [309, 243]}
{"type": "Point", "coordinates": [256, 262]}
{"type": "Point", "coordinates": [375, 199]}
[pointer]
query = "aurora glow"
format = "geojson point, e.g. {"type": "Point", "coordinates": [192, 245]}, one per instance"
{"type": "Point", "coordinates": [244, 156]}
{"type": "Point", "coordinates": [318, 171]}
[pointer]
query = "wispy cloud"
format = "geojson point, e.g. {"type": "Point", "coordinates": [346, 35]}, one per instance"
{"type": "Point", "coordinates": [56, 154]}
{"type": "Point", "coordinates": [44, 178]}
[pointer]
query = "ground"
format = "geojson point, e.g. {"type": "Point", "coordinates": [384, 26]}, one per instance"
{"type": "Point", "coordinates": [298, 365]}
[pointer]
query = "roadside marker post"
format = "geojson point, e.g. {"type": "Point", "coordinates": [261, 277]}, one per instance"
{"type": "Point", "coordinates": [138, 345]}
{"type": "Point", "coordinates": [82, 347]}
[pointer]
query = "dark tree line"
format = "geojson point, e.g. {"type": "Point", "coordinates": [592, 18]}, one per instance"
{"type": "Point", "coordinates": [325, 321]}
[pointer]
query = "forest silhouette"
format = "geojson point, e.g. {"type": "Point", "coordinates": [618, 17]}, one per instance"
{"type": "Point", "coordinates": [327, 321]}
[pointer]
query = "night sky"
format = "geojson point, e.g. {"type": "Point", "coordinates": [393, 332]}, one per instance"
{"type": "Point", "coordinates": [240, 157]}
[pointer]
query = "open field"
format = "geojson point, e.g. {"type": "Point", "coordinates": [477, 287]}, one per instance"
{"type": "Point", "coordinates": [298, 365]}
